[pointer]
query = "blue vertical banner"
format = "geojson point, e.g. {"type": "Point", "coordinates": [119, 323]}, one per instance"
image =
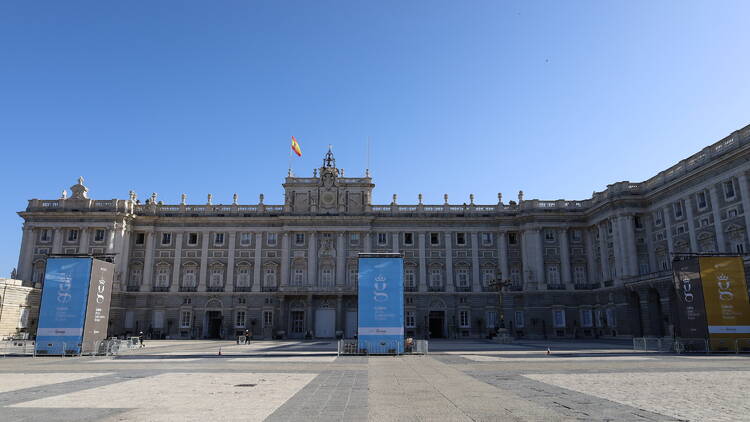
{"type": "Point", "coordinates": [63, 308]}
{"type": "Point", "coordinates": [381, 304]}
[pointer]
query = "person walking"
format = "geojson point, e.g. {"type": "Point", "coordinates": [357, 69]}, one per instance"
{"type": "Point", "coordinates": [247, 337]}
{"type": "Point", "coordinates": [140, 339]}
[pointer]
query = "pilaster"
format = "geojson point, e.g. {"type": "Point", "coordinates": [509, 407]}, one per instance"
{"type": "Point", "coordinates": [564, 256]}
{"type": "Point", "coordinates": [502, 255]}
{"type": "Point", "coordinates": [148, 262]}
{"type": "Point", "coordinates": [285, 259]}
{"type": "Point", "coordinates": [340, 260]}
{"type": "Point", "coordinates": [604, 251]}
{"type": "Point", "coordinates": [716, 211]}
{"type": "Point", "coordinates": [312, 259]}
{"type": "Point", "coordinates": [204, 262]}
{"type": "Point", "coordinates": [422, 263]}
{"type": "Point", "coordinates": [475, 282]}
{"type": "Point", "coordinates": [258, 238]}
{"type": "Point", "coordinates": [174, 285]}
{"type": "Point", "coordinates": [229, 287]}
{"type": "Point", "coordinates": [449, 287]}
{"type": "Point", "coordinates": [83, 246]}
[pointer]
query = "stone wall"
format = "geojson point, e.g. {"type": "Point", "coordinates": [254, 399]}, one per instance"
{"type": "Point", "coordinates": [19, 308]}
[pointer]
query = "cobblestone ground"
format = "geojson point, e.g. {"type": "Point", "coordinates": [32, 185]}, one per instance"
{"type": "Point", "coordinates": [306, 381]}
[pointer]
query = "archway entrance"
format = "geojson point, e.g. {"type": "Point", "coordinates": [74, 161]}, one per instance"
{"type": "Point", "coordinates": [437, 324]}
{"type": "Point", "coordinates": [213, 324]}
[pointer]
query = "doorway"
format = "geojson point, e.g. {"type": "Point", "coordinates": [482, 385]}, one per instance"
{"type": "Point", "coordinates": [325, 323]}
{"type": "Point", "coordinates": [298, 323]}
{"type": "Point", "coordinates": [214, 324]}
{"type": "Point", "coordinates": [437, 324]}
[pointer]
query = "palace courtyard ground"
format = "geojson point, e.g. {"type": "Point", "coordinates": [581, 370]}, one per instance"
{"type": "Point", "coordinates": [305, 381]}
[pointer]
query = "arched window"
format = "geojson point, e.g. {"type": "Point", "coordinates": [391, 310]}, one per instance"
{"type": "Point", "coordinates": [162, 276]}
{"type": "Point", "coordinates": [269, 279]}
{"type": "Point", "coordinates": [136, 275]}
{"type": "Point", "coordinates": [326, 277]}
{"type": "Point", "coordinates": [188, 276]}
{"type": "Point", "coordinates": [243, 276]}
{"type": "Point", "coordinates": [217, 277]}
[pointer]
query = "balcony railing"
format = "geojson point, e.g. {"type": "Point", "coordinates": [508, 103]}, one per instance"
{"type": "Point", "coordinates": [161, 288]}
{"type": "Point", "coordinates": [243, 289]}
{"type": "Point", "coordinates": [133, 288]}
{"type": "Point", "coordinates": [188, 288]}
{"type": "Point", "coordinates": [436, 289]}
{"type": "Point", "coordinates": [215, 288]}
{"type": "Point", "coordinates": [557, 286]}
{"type": "Point", "coordinates": [463, 289]}
{"type": "Point", "coordinates": [270, 288]}
{"type": "Point", "coordinates": [410, 288]}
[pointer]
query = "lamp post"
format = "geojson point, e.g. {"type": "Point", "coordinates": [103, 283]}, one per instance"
{"type": "Point", "coordinates": [499, 286]}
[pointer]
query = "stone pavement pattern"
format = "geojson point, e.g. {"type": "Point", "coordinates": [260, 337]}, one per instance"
{"type": "Point", "coordinates": [306, 381]}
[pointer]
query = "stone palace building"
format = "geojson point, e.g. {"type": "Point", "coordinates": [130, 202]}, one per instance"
{"type": "Point", "coordinates": [585, 268]}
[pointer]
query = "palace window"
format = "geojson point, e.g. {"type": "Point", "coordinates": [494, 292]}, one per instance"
{"type": "Point", "coordinates": [267, 319]}
{"type": "Point", "coordinates": [491, 319]}
{"type": "Point", "coordinates": [702, 202]}
{"type": "Point", "coordinates": [186, 318]}
{"type": "Point", "coordinates": [410, 319]}
{"type": "Point", "coordinates": [549, 236]}
{"type": "Point", "coordinates": [408, 239]}
{"type": "Point", "coordinates": [658, 217]}
{"type": "Point", "coordinates": [579, 274]}
{"type": "Point", "coordinates": [218, 239]}
{"type": "Point", "coordinates": [611, 320]}
{"type": "Point", "coordinates": [586, 319]}
{"type": "Point", "coordinates": [678, 209]}
{"type": "Point", "coordinates": [515, 275]}
{"type": "Point", "coordinates": [140, 238]}
{"type": "Point", "coordinates": [243, 277]}
{"type": "Point", "coordinates": [460, 239]}
{"type": "Point", "coordinates": [326, 277]}
{"type": "Point", "coordinates": [271, 239]}
{"type": "Point", "coordinates": [135, 276]}
{"type": "Point", "coordinates": [519, 319]}
{"type": "Point", "coordinates": [435, 277]}
{"type": "Point", "coordinates": [576, 236]}
{"type": "Point", "coordinates": [166, 238]}
{"type": "Point", "coordinates": [299, 239]}
{"type": "Point", "coordinates": [192, 239]}
{"type": "Point", "coordinates": [558, 318]}
{"type": "Point", "coordinates": [464, 319]}
{"type": "Point", "coordinates": [486, 239]}
{"type": "Point", "coordinates": [729, 189]}
{"type": "Point", "coordinates": [188, 277]}
{"type": "Point", "coordinates": [99, 235]}
{"type": "Point", "coordinates": [382, 239]}
{"type": "Point", "coordinates": [353, 276]}
{"type": "Point", "coordinates": [462, 274]}
{"type": "Point", "coordinates": [244, 239]}
{"type": "Point", "coordinates": [488, 274]}
{"type": "Point", "coordinates": [553, 275]}
{"type": "Point", "coordinates": [270, 277]}
{"type": "Point", "coordinates": [162, 276]}
{"type": "Point", "coordinates": [217, 276]}
{"type": "Point", "coordinates": [434, 239]}
{"type": "Point", "coordinates": [239, 321]}
{"type": "Point", "coordinates": [512, 238]}
{"type": "Point", "coordinates": [299, 276]}
{"type": "Point", "coordinates": [354, 239]}
{"type": "Point", "coordinates": [598, 320]}
{"type": "Point", "coordinates": [409, 279]}
{"type": "Point", "coordinates": [72, 235]}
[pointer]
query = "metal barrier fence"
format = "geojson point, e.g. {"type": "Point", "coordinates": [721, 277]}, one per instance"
{"type": "Point", "coordinates": [691, 345]}
{"type": "Point", "coordinates": [354, 347]}
{"type": "Point", "coordinates": [17, 348]}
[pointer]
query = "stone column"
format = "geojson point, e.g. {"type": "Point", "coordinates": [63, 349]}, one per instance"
{"type": "Point", "coordinates": [502, 255]}
{"type": "Point", "coordinates": [539, 241]}
{"type": "Point", "coordinates": [694, 247]}
{"type": "Point", "coordinates": [476, 286]}
{"type": "Point", "coordinates": [604, 251]}
{"type": "Point", "coordinates": [124, 258]}
{"type": "Point", "coordinates": [648, 224]}
{"type": "Point", "coordinates": [745, 197]}
{"type": "Point", "coordinates": [257, 282]}
{"type": "Point", "coordinates": [590, 257]}
{"type": "Point", "coordinates": [340, 260]}
{"type": "Point", "coordinates": [204, 262]}
{"type": "Point", "coordinates": [27, 254]}
{"type": "Point", "coordinates": [285, 259]}
{"type": "Point", "coordinates": [57, 241]}
{"type": "Point", "coordinates": [309, 314]}
{"type": "Point", "coordinates": [312, 259]}
{"type": "Point", "coordinates": [368, 242]}
{"type": "Point", "coordinates": [631, 250]}
{"type": "Point", "coordinates": [618, 249]}
{"type": "Point", "coordinates": [230, 262]}
{"type": "Point", "coordinates": [422, 263]}
{"type": "Point", "coordinates": [339, 314]}
{"type": "Point", "coordinates": [111, 239]}
{"type": "Point", "coordinates": [564, 257]}
{"type": "Point", "coordinates": [282, 319]}
{"type": "Point", "coordinates": [716, 211]}
{"type": "Point", "coordinates": [668, 227]}
{"type": "Point", "coordinates": [83, 245]}
{"type": "Point", "coordinates": [174, 285]}
{"type": "Point", "coordinates": [449, 287]}
{"type": "Point", "coordinates": [395, 243]}
{"type": "Point", "coordinates": [527, 266]}
{"type": "Point", "coordinates": [148, 262]}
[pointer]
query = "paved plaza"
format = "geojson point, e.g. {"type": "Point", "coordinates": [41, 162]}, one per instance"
{"type": "Point", "coordinates": [303, 381]}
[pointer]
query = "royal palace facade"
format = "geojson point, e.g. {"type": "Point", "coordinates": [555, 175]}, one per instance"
{"type": "Point", "coordinates": [587, 268]}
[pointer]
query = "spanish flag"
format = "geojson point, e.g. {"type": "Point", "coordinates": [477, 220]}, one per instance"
{"type": "Point", "coordinates": [295, 147]}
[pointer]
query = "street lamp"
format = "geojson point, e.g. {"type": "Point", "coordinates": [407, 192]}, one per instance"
{"type": "Point", "coordinates": [499, 286]}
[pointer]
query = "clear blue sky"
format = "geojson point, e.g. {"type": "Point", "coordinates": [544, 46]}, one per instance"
{"type": "Point", "coordinates": [555, 98]}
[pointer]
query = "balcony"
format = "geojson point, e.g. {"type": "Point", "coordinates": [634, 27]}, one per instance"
{"type": "Point", "coordinates": [463, 289]}
{"type": "Point", "coordinates": [215, 288]}
{"type": "Point", "coordinates": [188, 288]}
{"type": "Point", "coordinates": [243, 289]}
{"type": "Point", "coordinates": [410, 288]}
{"type": "Point", "coordinates": [160, 289]}
{"type": "Point", "coordinates": [556, 287]}
{"type": "Point", "coordinates": [132, 288]}
{"type": "Point", "coordinates": [270, 288]}
{"type": "Point", "coordinates": [586, 286]}
{"type": "Point", "coordinates": [515, 287]}
{"type": "Point", "coordinates": [436, 289]}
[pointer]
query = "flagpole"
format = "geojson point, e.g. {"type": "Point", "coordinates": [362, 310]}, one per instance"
{"type": "Point", "coordinates": [289, 170]}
